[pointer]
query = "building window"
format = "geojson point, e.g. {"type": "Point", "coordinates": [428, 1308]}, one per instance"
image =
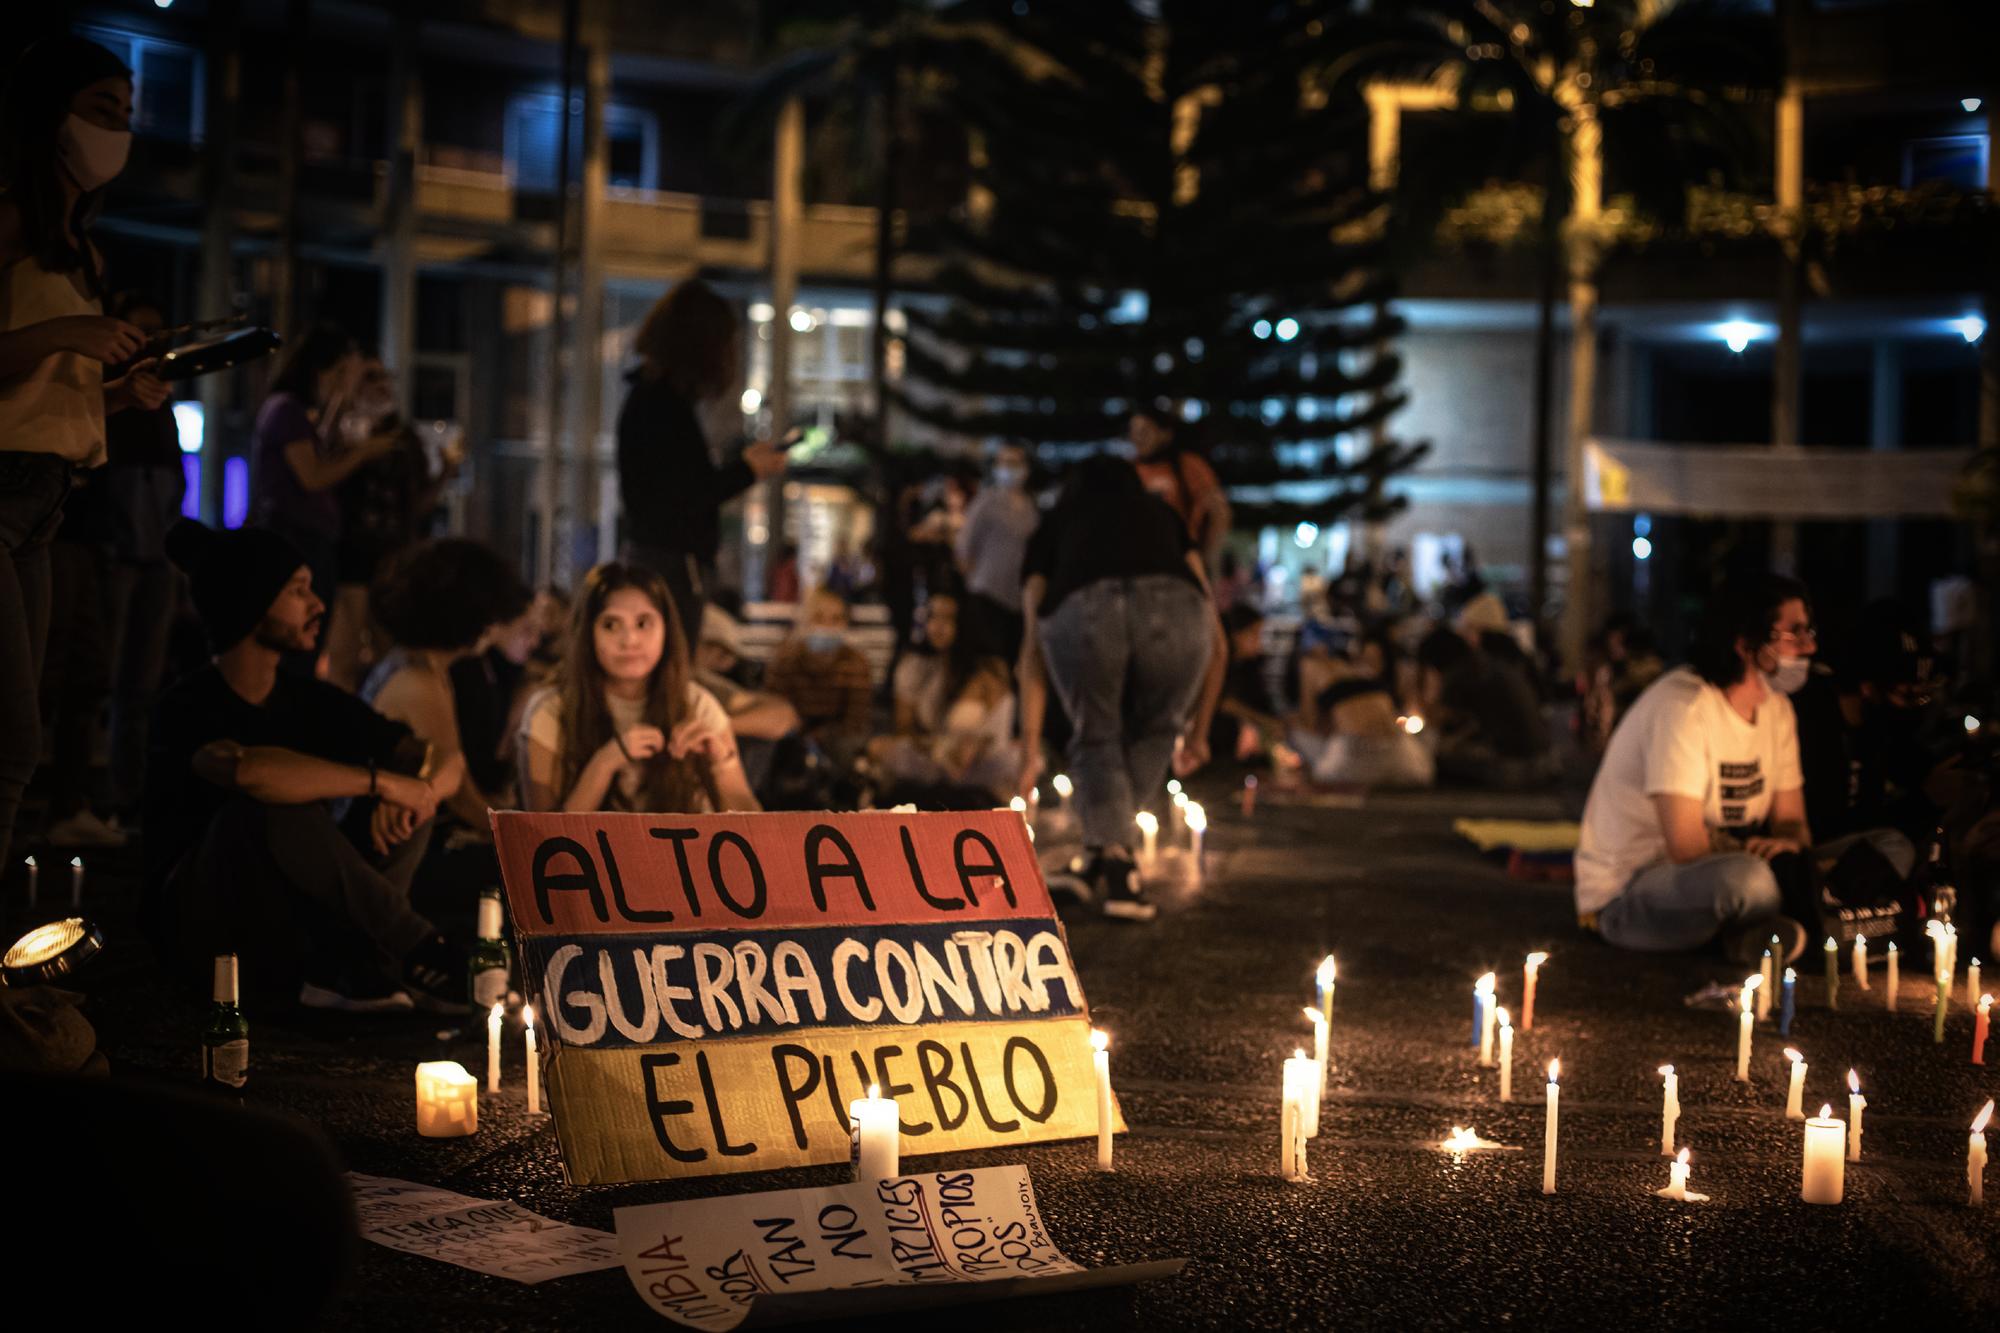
{"type": "Point", "coordinates": [167, 82]}
{"type": "Point", "coordinates": [534, 120]}
{"type": "Point", "coordinates": [1955, 159]}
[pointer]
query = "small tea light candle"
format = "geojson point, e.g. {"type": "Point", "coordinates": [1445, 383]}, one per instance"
{"type": "Point", "coordinates": [447, 1100]}
{"type": "Point", "coordinates": [1549, 1129]}
{"type": "Point", "coordinates": [1832, 952]}
{"type": "Point", "coordinates": [1856, 1103]}
{"type": "Point", "coordinates": [1824, 1176]}
{"type": "Point", "coordinates": [1859, 954]}
{"type": "Point", "coordinates": [878, 1147]}
{"type": "Point", "coordinates": [1975, 1157]}
{"type": "Point", "coordinates": [75, 883]}
{"type": "Point", "coordinates": [534, 1065]}
{"type": "Point", "coordinates": [494, 1016]}
{"type": "Point", "coordinates": [1895, 978]}
{"type": "Point", "coordinates": [1670, 1109]}
{"type": "Point", "coordinates": [1979, 1026]}
{"type": "Point", "coordinates": [1506, 1058]}
{"type": "Point", "coordinates": [1100, 1059]}
{"type": "Point", "coordinates": [1794, 1104]}
{"type": "Point", "coordinates": [1530, 970]}
{"type": "Point", "coordinates": [1677, 1182]}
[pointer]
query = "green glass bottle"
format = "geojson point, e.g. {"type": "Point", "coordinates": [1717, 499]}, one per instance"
{"type": "Point", "coordinates": [225, 1041]}
{"type": "Point", "coordinates": [489, 968]}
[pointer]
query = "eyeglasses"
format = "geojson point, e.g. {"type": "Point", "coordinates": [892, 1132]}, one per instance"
{"type": "Point", "coordinates": [1804, 634]}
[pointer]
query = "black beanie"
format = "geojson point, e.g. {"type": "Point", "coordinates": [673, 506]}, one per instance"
{"type": "Point", "coordinates": [234, 575]}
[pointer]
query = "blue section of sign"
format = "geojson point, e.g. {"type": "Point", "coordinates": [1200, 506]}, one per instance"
{"type": "Point", "coordinates": [644, 990]}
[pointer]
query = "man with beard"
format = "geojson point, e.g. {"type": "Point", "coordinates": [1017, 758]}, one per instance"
{"type": "Point", "coordinates": [246, 851]}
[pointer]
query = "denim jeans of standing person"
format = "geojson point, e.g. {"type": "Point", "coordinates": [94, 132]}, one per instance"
{"type": "Point", "coordinates": [1126, 657]}
{"type": "Point", "coordinates": [32, 490]}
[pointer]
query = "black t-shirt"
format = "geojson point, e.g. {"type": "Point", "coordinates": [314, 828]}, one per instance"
{"type": "Point", "coordinates": [1121, 536]}
{"type": "Point", "coordinates": [305, 715]}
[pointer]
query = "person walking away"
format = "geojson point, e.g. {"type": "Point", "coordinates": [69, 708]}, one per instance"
{"type": "Point", "coordinates": [67, 131]}
{"type": "Point", "coordinates": [1117, 616]}
{"type": "Point", "coordinates": [669, 484]}
{"type": "Point", "coordinates": [990, 547]}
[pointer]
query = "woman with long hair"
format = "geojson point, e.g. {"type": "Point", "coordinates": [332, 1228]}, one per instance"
{"type": "Point", "coordinates": [67, 131]}
{"type": "Point", "coordinates": [669, 484]}
{"type": "Point", "coordinates": [625, 727]}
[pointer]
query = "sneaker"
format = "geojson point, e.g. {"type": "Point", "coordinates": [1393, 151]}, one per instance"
{"type": "Point", "coordinates": [1124, 896]}
{"type": "Point", "coordinates": [336, 999]}
{"type": "Point", "coordinates": [1075, 883]}
{"type": "Point", "coordinates": [84, 829]}
{"type": "Point", "coordinates": [1746, 944]}
{"type": "Point", "coordinates": [434, 975]}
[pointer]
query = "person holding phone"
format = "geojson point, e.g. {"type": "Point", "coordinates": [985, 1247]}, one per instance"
{"type": "Point", "coordinates": [669, 483]}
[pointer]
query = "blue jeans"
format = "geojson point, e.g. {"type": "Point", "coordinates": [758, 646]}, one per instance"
{"type": "Point", "coordinates": [1669, 908]}
{"type": "Point", "coordinates": [1126, 657]}
{"type": "Point", "coordinates": [32, 490]}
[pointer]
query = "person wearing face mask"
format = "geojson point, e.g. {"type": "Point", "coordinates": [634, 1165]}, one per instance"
{"type": "Point", "coordinates": [1700, 796]}
{"type": "Point", "coordinates": [66, 134]}
{"type": "Point", "coordinates": [998, 523]}
{"type": "Point", "coordinates": [825, 677]}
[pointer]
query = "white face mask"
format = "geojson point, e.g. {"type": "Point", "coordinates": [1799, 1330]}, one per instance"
{"type": "Point", "coordinates": [90, 153]}
{"type": "Point", "coordinates": [1790, 677]}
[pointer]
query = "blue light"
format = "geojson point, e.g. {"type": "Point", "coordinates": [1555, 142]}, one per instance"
{"type": "Point", "coordinates": [1287, 329]}
{"type": "Point", "coordinates": [235, 491]}
{"type": "Point", "coordinates": [1737, 334]}
{"type": "Point", "coordinates": [1261, 329]}
{"type": "Point", "coordinates": [191, 498]}
{"type": "Point", "coordinates": [188, 426]}
{"type": "Point", "coordinates": [1306, 534]}
{"type": "Point", "coordinates": [1641, 549]}
{"type": "Point", "coordinates": [1642, 525]}
{"type": "Point", "coordinates": [1971, 328]}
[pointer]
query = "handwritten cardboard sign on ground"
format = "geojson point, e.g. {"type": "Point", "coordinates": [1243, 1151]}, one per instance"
{"type": "Point", "coordinates": [494, 1236]}
{"type": "Point", "coordinates": [906, 1243]}
{"type": "Point", "coordinates": [716, 989]}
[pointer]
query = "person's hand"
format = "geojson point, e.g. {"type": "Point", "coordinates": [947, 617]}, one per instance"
{"type": "Point", "coordinates": [637, 744]}
{"type": "Point", "coordinates": [138, 387]}
{"type": "Point", "coordinates": [693, 736]}
{"type": "Point", "coordinates": [1768, 848]}
{"type": "Point", "coordinates": [764, 459]}
{"type": "Point", "coordinates": [1191, 754]}
{"type": "Point", "coordinates": [390, 826]}
{"type": "Point", "coordinates": [413, 795]}
{"type": "Point", "coordinates": [99, 337]}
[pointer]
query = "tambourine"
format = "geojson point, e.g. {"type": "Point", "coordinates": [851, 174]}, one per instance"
{"type": "Point", "coordinates": [209, 355]}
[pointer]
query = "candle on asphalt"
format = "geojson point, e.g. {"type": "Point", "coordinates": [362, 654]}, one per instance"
{"type": "Point", "coordinates": [1249, 794]}
{"type": "Point", "coordinates": [1975, 1157]}
{"type": "Point", "coordinates": [1019, 805]}
{"type": "Point", "coordinates": [1488, 1011]}
{"type": "Point", "coordinates": [1785, 1011]}
{"type": "Point", "coordinates": [1670, 1109]}
{"type": "Point", "coordinates": [1506, 1058]}
{"type": "Point", "coordinates": [1824, 1177]}
{"type": "Point", "coordinates": [1943, 1003]}
{"type": "Point", "coordinates": [534, 1065]}
{"type": "Point", "coordinates": [877, 1142]}
{"type": "Point", "coordinates": [1979, 1026]}
{"type": "Point", "coordinates": [1832, 952]}
{"type": "Point", "coordinates": [1794, 1096]}
{"type": "Point", "coordinates": [1100, 1058]}
{"type": "Point", "coordinates": [1318, 1021]}
{"type": "Point", "coordinates": [75, 882]}
{"type": "Point", "coordinates": [1549, 1129]}
{"type": "Point", "coordinates": [34, 886]}
{"type": "Point", "coordinates": [1530, 971]}
{"type": "Point", "coordinates": [1745, 1017]}
{"type": "Point", "coordinates": [1197, 822]}
{"type": "Point", "coordinates": [447, 1100]}
{"type": "Point", "coordinates": [1677, 1182]}
{"type": "Point", "coordinates": [1766, 968]}
{"type": "Point", "coordinates": [1895, 978]}
{"type": "Point", "coordinates": [1298, 1087]}
{"type": "Point", "coordinates": [1062, 786]}
{"type": "Point", "coordinates": [493, 1018]}
{"type": "Point", "coordinates": [1323, 978]}
{"type": "Point", "coordinates": [1856, 1103]}
{"type": "Point", "coordinates": [1149, 829]}
{"type": "Point", "coordinates": [1972, 983]}
{"type": "Point", "coordinates": [1860, 955]}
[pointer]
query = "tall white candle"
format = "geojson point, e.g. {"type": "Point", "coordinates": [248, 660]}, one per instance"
{"type": "Point", "coordinates": [1484, 990]}
{"type": "Point", "coordinates": [1856, 1103]}
{"type": "Point", "coordinates": [75, 882]}
{"type": "Point", "coordinates": [1795, 1095]}
{"type": "Point", "coordinates": [1859, 954]}
{"type": "Point", "coordinates": [1506, 1058]}
{"type": "Point", "coordinates": [1298, 1089]}
{"type": "Point", "coordinates": [1062, 787]}
{"type": "Point", "coordinates": [1197, 822]}
{"type": "Point", "coordinates": [1549, 1130]}
{"type": "Point", "coordinates": [1670, 1109]}
{"type": "Point", "coordinates": [1531, 971]}
{"type": "Point", "coordinates": [1745, 1018]}
{"type": "Point", "coordinates": [1149, 829]}
{"type": "Point", "coordinates": [1323, 979]}
{"type": "Point", "coordinates": [877, 1135]}
{"type": "Point", "coordinates": [1895, 978]}
{"type": "Point", "coordinates": [1101, 1060]}
{"type": "Point", "coordinates": [447, 1100]}
{"type": "Point", "coordinates": [34, 885]}
{"type": "Point", "coordinates": [1972, 984]}
{"type": "Point", "coordinates": [1765, 970]}
{"type": "Point", "coordinates": [534, 1065]}
{"type": "Point", "coordinates": [1318, 1090]}
{"type": "Point", "coordinates": [1975, 1157]}
{"type": "Point", "coordinates": [493, 1020]}
{"type": "Point", "coordinates": [1824, 1177]}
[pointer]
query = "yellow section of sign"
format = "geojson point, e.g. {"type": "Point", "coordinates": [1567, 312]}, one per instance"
{"type": "Point", "coordinates": [712, 1108]}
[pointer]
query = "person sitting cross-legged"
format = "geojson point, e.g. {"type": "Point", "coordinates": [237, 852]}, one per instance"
{"type": "Point", "coordinates": [1700, 796]}
{"type": "Point", "coordinates": [245, 850]}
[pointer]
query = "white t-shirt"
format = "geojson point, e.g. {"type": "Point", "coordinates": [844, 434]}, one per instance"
{"type": "Point", "coordinates": [1681, 738]}
{"type": "Point", "coordinates": [541, 728]}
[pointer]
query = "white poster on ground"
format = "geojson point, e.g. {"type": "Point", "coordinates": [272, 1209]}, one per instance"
{"type": "Point", "coordinates": [496, 1237]}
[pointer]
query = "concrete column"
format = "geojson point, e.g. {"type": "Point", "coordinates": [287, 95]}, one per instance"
{"type": "Point", "coordinates": [216, 291]}
{"type": "Point", "coordinates": [587, 378]}
{"type": "Point", "coordinates": [398, 337]}
{"type": "Point", "coordinates": [1586, 162]}
{"type": "Point", "coordinates": [552, 554]}
{"type": "Point", "coordinates": [285, 279]}
{"type": "Point", "coordinates": [1788, 362]}
{"type": "Point", "coordinates": [787, 222]}
{"type": "Point", "coordinates": [1885, 431]}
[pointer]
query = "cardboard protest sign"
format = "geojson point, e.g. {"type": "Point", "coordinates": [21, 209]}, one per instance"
{"type": "Point", "coordinates": [494, 1236]}
{"type": "Point", "coordinates": [716, 989]}
{"type": "Point", "coordinates": [752, 1260]}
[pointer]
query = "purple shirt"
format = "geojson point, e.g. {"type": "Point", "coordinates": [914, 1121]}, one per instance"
{"type": "Point", "coordinates": [276, 497]}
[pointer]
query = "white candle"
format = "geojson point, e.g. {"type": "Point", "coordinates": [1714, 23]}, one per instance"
{"type": "Point", "coordinates": [1980, 1026]}
{"type": "Point", "coordinates": [1530, 970]}
{"type": "Point", "coordinates": [1323, 978]}
{"type": "Point", "coordinates": [1765, 968]}
{"type": "Point", "coordinates": [1975, 1157]}
{"type": "Point", "coordinates": [75, 882]}
{"type": "Point", "coordinates": [1549, 1130]}
{"type": "Point", "coordinates": [1101, 1059]}
{"type": "Point", "coordinates": [493, 1020]}
{"type": "Point", "coordinates": [1859, 954]}
{"type": "Point", "coordinates": [1019, 805]}
{"type": "Point", "coordinates": [1197, 822]}
{"type": "Point", "coordinates": [1484, 990]}
{"type": "Point", "coordinates": [1063, 787]}
{"type": "Point", "coordinates": [1972, 983]}
{"type": "Point", "coordinates": [534, 1065]}
{"type": "Point", "coordinates": [877, 1136]}
{"type": "Point", "coordinates": [1506, 1058]}
{"type": "Point", "coordinates": [1745, 1017]}
{"type": "Point", "coordinates": [1180, 806]}
{"type": "Point", "coordinates": [1855, 1105]}
{"type": "Point", "coordinates": [1677, 1182]}
{"type": "Point", "coordinates": [1670, 1109]}
{"type": "Point", "coordinates": [447, 1100]}
{"type": "Point", "coordinates": [1318, 1021]}
{"type": "Point", "coordinates": [1149, 829]}
{"type": "Point", "coordinates": [34, 876]}
{"type": "Point", "coordinates": [1895, 978]}
{"type": "Point", "coordinates": [1794, 1097]}
{"type": "Point", "coordinates": [1824, 1176]}
{"type": "Point", "coordinates": [1298, 1088]}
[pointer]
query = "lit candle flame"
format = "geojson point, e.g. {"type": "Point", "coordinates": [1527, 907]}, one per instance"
{"type": "Point", "coordinates": [1197, 818]}
{"type": "Point", "coordinates": [1934, 927]}
{"type": "Point", "coordinates": [1298, 1052]}
{"type": "Point", "coordinates": [1463, 1139]}
{"type": "Point", "coordinates": [1099, 1039]}
{"type": "Point", "coordinates": [1892, 946]}
{"type": "Point", "coordinates": [76, 862]}
{"type": "Point", "coordinates": [1180, 800]}
{"type": "Point", "coordinates": [1826, 1111]}
{"type": "Point", "coordinates": [1985, 1003]}
{"type": "Point", "coordinates": [1555, 1070]}
{"type": "Point", "coordinates": [1505, 1021]}
{"type": "Point", "coordinates": [1985, 1114]}
{"type": "Point", "coordinates": [1485, 984]}
{"type": "Point", "coordinates": [1682, 1157]}
{"type": "Point", "coordinates": [499, 1008]}
{"type": "Point", "coordinates": [1173, 786]}
{"type": "Point", "coordinates": [1063, 785]}
{"type": "Point", "coordinates": [1148, 822]}
{"type": "Point", "coordinates": [1796, 1057]}
{"type": "Point", "coordinates": [874, 1091]}
{"type": "Point", "coordinates": [528, 1014]}
{"type": "Point", "coordinates": [31, 863]}
{"type": "Point", "coordinates": [1666, 1069]}
{"type": "Point", "coordinates": [1412, 724]}
{"type": "Point", "coordinates": [1018, 806]}
{"type": "Point", "coordinates": [1324, 974]}
{"type": "Point", "coordinates": [1537, 959]}
{"type": "Point", "coordinates": [1314, 1016]}
{"type": "Point", "coordinates": [1791, 975]}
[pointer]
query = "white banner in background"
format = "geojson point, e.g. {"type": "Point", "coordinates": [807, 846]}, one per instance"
{"type": "Point", "coordinates": [1764, 481]}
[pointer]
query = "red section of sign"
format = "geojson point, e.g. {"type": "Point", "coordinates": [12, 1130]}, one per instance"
{"type": "Point", "coordinates": [610, 873]}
